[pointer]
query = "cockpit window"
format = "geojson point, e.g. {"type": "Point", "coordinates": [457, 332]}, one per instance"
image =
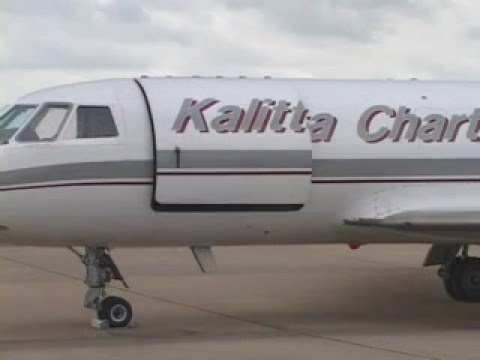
{"type": "Point", "coordinates": [46, 125]}
{"type": "Point", "coordinates": [95, 122]}
{"type": "Point", "coordinates": [13, 119]}
{"type": "Point", "coordinates": [4, 109]}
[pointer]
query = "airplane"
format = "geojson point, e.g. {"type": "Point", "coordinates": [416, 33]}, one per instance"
{"type": "Point", "coordinates": [212, 161]}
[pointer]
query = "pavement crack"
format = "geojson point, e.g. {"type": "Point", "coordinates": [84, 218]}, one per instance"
{"type": "Point", "coordinates": [42, 268]}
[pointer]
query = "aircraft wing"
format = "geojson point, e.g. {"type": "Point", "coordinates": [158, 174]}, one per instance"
{"type": "Point", "coordinates": [462, 222]}
{"type": "Point", "coordinates": [451, 223]}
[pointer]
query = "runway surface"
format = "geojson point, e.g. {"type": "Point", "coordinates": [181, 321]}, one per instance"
{"type": "Point", "coordinates": [297, 302]}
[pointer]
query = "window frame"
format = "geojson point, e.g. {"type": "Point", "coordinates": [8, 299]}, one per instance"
{"type": "Point", "coordinates": [36, 114]}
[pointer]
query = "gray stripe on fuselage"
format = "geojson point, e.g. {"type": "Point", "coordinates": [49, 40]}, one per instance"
{"type": "Point", "coordinates": [211, 160]}
{"type": "Point", "coordinates": [395, 167]}
{"type": "Point", "coordinates": [229, 159]}
{"type": "Point", "coordinates": [78, 171]}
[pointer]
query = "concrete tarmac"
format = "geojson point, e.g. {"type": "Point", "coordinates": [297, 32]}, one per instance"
{"type": "Point", "coordinates": [288, 302]}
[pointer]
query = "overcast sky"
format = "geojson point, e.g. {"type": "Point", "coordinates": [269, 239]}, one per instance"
{"type": "Point", "coordinates": [48, 42]}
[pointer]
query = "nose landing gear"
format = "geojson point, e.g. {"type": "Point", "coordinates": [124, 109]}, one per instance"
{"type": "Point", "coordinates": [112, 311]}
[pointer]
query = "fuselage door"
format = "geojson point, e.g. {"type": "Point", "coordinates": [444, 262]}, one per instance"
{"type": "Point", "coordinates": [227, 146]}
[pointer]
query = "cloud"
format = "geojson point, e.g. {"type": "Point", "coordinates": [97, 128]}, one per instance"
{"type": "Point", "coordinates": [82, 34]}
{"type": "Point", "coordinates": [126, 11]}
{"type": "Point", "coordinates": [246, 34]}
{"type": "Point", "coordinates": [473, 33]}
{"type": "Point", "coordinates": [360, 21]}
{"type": "Point", "coordinates": [53, 41]}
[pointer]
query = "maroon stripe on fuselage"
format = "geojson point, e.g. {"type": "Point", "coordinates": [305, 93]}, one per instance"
{"type": "Point", "coordinates": [46, 186]}
{"type": "Point", "coordinates": [231, 173]}
{"type": "Point", "coordinates": [394, 181]}
{"type": "Point", "coordinates": [314, 181]}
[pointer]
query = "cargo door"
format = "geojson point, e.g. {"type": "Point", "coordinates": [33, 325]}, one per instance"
{"type": "Point", "coordinates": [211, 164]}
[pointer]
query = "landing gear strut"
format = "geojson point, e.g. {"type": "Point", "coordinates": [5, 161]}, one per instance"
{"type": "Point", "coordinates": [461, 277]}
{"type": "Point", "coordinates": [113, 311]}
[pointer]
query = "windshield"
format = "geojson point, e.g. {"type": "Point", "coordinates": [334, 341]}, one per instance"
{"type": "Point", "coordinates": [13, 119]}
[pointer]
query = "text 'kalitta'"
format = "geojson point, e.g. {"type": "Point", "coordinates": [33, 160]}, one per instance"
{"type": "Point", "coordinates": [278, 116]}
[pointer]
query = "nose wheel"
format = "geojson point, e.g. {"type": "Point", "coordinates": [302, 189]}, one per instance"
{"type": "Point", "coordinates": [112, 311]}
{"type": "Point", "coordinates": [116, 311]}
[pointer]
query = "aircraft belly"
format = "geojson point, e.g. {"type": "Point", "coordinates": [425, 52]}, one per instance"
{"type": "Point", "coordinates": [120, 216]}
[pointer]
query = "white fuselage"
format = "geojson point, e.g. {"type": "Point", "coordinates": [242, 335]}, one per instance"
{"type": "Point", "coordinates": [339, 150]}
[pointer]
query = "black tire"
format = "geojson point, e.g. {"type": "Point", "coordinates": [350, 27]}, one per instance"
{"type": "Point", "coordinates": [468, 279]}
{"type": "Point", "coordinates": [450, 290]}
{"type": "Point", "coordinates": [462, 282]}
{"type": "Point", "coordinates": [450, 280]}
{"type": "Point", "coordinates": [116, 310]}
